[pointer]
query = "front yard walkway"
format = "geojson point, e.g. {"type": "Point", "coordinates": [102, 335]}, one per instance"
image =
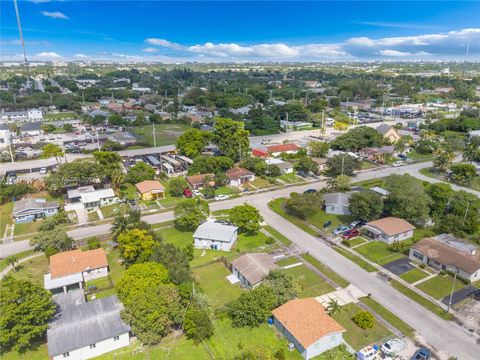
{"type": "Point", "coordinates": [348, 295]}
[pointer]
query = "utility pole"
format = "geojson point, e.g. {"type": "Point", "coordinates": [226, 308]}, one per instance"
{"type": "Point", "coordinates": [466, 212]}
{"type": "Point", "coordinates": [451, 293]}
{"type": "Point", "coordinates": [343, 163]}
{"type": "Point", "coordinates": [98, 140]}
{"type": "Point", "coordinates": [154, 135]}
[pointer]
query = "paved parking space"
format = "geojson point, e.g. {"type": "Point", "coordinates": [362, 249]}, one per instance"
{"type": "Point", "coordinates": [400, 266]}
{"type": "Point", "coordinates": [461, 295]}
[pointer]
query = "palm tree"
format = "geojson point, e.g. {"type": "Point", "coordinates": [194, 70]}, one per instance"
{"type": "Point", "coordinates": [443, 160]}
{"type": "Point", "coordinates": [13, 262]}
{"type": "Point", "coordinates": [333, 307]}
{"type": "Point", "coordinates": [470, 152]}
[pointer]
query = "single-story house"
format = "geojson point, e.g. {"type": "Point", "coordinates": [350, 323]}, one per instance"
{"type": "Point", "coordinates": [27, 210]}
{"type": "Point", "coordinates": [150, 189]}
{"type": "Point", "coordinates": [322, 163]}
{"type": "Point", "coordinates": [215, 235]}
{"type": "Point", "coordinates": [259, 153]}
{"type": "Point", "coordinates": [376, 154]}
{"type": "Point", "coordinates": [389, 133]}
{"type": "Point", "coordinates": [69, 269]}
{"type": "Point", "coordinates": [337, 203]}
{"type": "Point", "coordinates": [91, 198]}
{"type": "Point", "coordinates": [305, 323]}
{"type": "Point", "coordinates": [251, 269]}
{"type": "Point", "coordinates": [389, 229]}
{"type": "Point", "coordinates": [284, 166]}
{"type": "Point", "coordinates": [455, 256]}
{"type": "Point", "coordinates": [31, 129]}
{"type": "Point", "coordinates": [289, 148]}
{"type": "Point", "coordinates": [198, 181]}
{"type": "Point", "coordinates": [380, 191]}
{"type": "Point", "coordinates": [83, 330]}
{"type": "Point", "coordinates": [239, 176]}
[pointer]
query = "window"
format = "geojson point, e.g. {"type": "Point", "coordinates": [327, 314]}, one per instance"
{"type": "Point", "coordinates": [417, 255]}
{"type": "Point", "coordinates": [67, 354]}
{"type": "Point", "coordinates": [116, 338]}
{"type": "Point", "coordinates": [93, 346]}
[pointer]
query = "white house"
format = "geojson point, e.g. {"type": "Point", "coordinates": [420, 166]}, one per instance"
{"type": "Point", "coordinates": [239, 176]}
{"type": "Point", "coordinates": [251, 269]}
{"type": "Point", "coordinates": [91, 198]}
{"type": "Point", "coordinates": [277, 150]}
{"type": "Point", "coordinates": [70, 269]}
{"type": "Point", "coordinates": [389, 229]}
{"type": "Point", "coordinates": [284, 166]}
{"type": "Point", "coordinates": [308, 327]}
{"type": "Point", "coordinates": [83, 330]}
{"type": "Point", "coordinates": [4, 138]}
{"type": "Point", "coordinates": [215, 235]}
{"type": "Point", "coordinates": [444, 252]}
{"type": "Point", "coordinates": [28, 115]}
{"type": "Point", "coordinates": [337, 203]}
{"type": "Point", "coordinates": [30, 209]}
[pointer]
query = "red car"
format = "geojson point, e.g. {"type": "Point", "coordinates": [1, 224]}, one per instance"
{"type": "Point", "coordinates": [350, 234]}
{"type": "Point", "coordinates": [187, 193]}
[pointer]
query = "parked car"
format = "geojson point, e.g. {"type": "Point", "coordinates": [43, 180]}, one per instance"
{"type": "Point", "coordinates": [12, 179]}
{"type": "Point", "coordinates": [402, 157]}
{"type": "Point", "coordinates": [221, 197]}
{"type": "Point", "coordinates": [197, 193]}
{"type": "Point", "coordinates": [421, 354]}
{"type": "Point", "coordinates": [310, 191]}
{"type": "Point", "coordinates": [356, 224]}
{"type": "Point", "coordinates": [327, 223]}
{"type": "Point", "coordinates": [398, 163]}
{"type": "Point", "coordinates": [393, 347]}
{"type": "Point", "coordinates": [350, 234]}
{"type": "Point", "coordinates": [43, 171]}
{"type": "Point", "coordinates": [340, 229]}
{"type": "Point", "coordinates": [187, 193]}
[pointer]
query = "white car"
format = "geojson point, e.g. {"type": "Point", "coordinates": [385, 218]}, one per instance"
{"type": "Point", "coordinates": [398, 163]}
{"type": "Point", "coordinates": [197, 193]}
{"type": "Point", "coordinates": [43, 171]}
{"type": "Point", "coordinates": [393, 347]}
{"type": "Point", "coordinates": [221, 197]}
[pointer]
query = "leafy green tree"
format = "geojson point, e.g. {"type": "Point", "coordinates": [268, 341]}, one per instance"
{"type": "Point", "coordinates": [110, 145]}
{"type": "Point", "coordinates": [48, 128]}
{"type": "Point", "coordinates": [318, 148]}
{"type": "Point", "coordinates": [175, 260]}
{"type": "Point", "coordinates": [73, 174]}
{"type": "Point", "coordinates": [246, 217]}
{"type": "Point", "coordinates": [343, 164]}
{"type": "Point", "coordinates": [210, 164]}
{"type": "Point", "coordinates": [231, 138]}
{"type": "Point", "coordinates": [197, 324]}
{"type": "Point", "coordinates": [55, 239]}
{"type": "Point", "coordinates": [140, 172]}
{"type": "Point", "coordinates": [125, 221]}
{"type": "Point", "coordinates": [366, 205]}
{"type": "Point", "coordinates": [304, 205]}
{"type": "Point", "coordinates": [108, 162]}
{"type": "Point", "coordinates": [463, 173]}
{"type": "Point", "coordinates": [136, 246]}
{"type": "Point", "coordinates": [466, 207]}
{"type": "Point", "coordinates": [192, 142]}
{"type": "Point", "coordinates": [25, 309]}
{"type": "Point", "coordinates": [341, 183]}
{"type": "Point", "coordinates": [52, 150]}
{"type": "Point", "coordinates": [190, 213]}
{"type": "Point", "coordinates": [357, 138]}
{"type": "Point", "coordinates": [364, 319]}
{"type": "Point", "coordinates": [273, 170]}
{"type": "Point", "coordinates": [440, 194]}
{"type": "Point", "coordinates": [306, 165]}
{"type": "Point", "coordinates": [282, 285]}
{"type": "Point", "coordinates": [443, 160]}
{"type": "Point", "coordinates": [12, 261]}
{"type": "Point", "coordinates": [93, 243]}
{"type": "Point", "coordinates": [471, 152]}
{"type": "Point", "coordinates": [51, 222]}
{"type": "Point", "coordinates": [67, 127]}
{"type": "Point", "coordinates": [176, 186]}
{"type": "Point", "coordinates": [252, 308]}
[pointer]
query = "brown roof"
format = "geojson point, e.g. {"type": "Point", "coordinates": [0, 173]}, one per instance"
{"type": "Point", "coordinates": [282, 147]}
{"type": "Point", "coordinates": [306, 320]}
{"type": "Point", "coordinates": [254, 267]}
{"type": "Point", "coordinates": [392, 225]}
{"type": "Point", "coordinates": [237, 172]}
{"type": "Point", "coordinates": [75, 261]}
{"type": "Point", "coordinates": [149, 185]}
{"type": "Point", "coordinates": [447, 255]}
{"type": "Point", "coordinates": [198, 179]}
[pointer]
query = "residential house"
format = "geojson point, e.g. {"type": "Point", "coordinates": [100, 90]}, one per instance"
{"type": "Point", "coordinates": [27, 115]}
{"type": "Point", "coordinates": [389, 133]}
{"type": "Point", "coordinates": [83, 330]}
{"type": "Point", "coordinates": [70, 269]}
{"type": "Point", "coordinates": [377, 154]}
{"type": "Point", "coordinates": [322, 163]}
{"type": "Point", "coordinates": [150, 189]}
{"type": "Point", "coordinates": [277, 150]}
{"type": "Point", "coordinates": [215, 235]}
{"type": "Point", "coordinates": [31, 129]}
{"type": "Point", "coordinates": [251, 269]}
{"type": "Point", "coordinates": [30, 209]}
{"type": "Point", "coordinates": [305, 324]}
{"type": "Point", "coordinates": [389, 229]}
{"type": "Point", "coordinates": [295, 125]}
{"type": "Point", "coordinates": [380, 191]}
{"type": "Point", "coordinates": [284, 166]}
{"type": "Point", "coordinates": [239, 176]}
{"type": "Point", "coordinates": [91, 198]}
{"type": "Point", "coordinates": [259, 153]}
{"type": "Point", "coordinates": [4, 137]}
{"type": "Point", "coordinates": [198, 181]}
{"type": "Point", "coordinates": [445, 252]}
{"type": "Point", "coordinates": [337, 203]}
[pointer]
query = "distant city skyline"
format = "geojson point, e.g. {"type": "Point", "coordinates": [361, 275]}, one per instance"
{"type": "Point", "coordinates": [231, 31]}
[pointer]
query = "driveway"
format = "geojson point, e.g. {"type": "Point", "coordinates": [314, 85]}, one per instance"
{"type": "Point", "coordinates": [399, 266]}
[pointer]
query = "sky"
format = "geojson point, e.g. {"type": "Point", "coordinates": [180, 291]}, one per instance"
{"type": "Point", "coordinates": [231, 31]}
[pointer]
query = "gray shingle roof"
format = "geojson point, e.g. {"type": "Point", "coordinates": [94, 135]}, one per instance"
{"type": "Point", "coordinates": [383, 128]}
{"type": "Point", "coordinates": [337, 199]}
{"type": "Point", "coordinates": [211, 230]}
{"type": "Point", "coordinates": [32, 206]}
{"type": "Point", "coordinates": [254, 267]}
{"type": "Point", "coordinates": [85, 324]}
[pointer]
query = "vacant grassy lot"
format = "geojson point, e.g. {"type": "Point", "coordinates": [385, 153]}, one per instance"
{"type": "Point", "coordinates": [251, 242]}
{"type": "Point", "coordinates": [419, 234]}
{"type": "Point", "coordinates": [291, 178]}
{"type": "Point", "coordinates": [5, 216]}
{"type": "Point", "coordinates": [354, 258]}
{"type": "Point", "coordinates": [260, 183]}
{"type": "Point", "coordinates": [166, 134]}
{"type": "Point", "coordinates": [33, 270]}
{"type": "Point", "coordinates": [355, 336]}
{"type": "Point", "coordinates": [378, 252]}
{"type": "Point", "coordinates": [226, 190]}
{"type": "Point", "coordinates": [414, 155]}
{"type": "Point", "coordinates": [178, 238]}
{"type": "Point", "coordinates": [27, 228]}
{"type": "Point", "coordinates": [440, 286]}
{"type": "Point", "coordinates": [413, 275]}
{"type": "Point", "coordinates": [128, 191]}
{"type": "Point", "coordinates": [277, 206]}
{"type": "Point", "coordinates": [112, 210]}
{"type": "Point", "coordinates": [280, 237]}
{"type": "Point", "coordinates": [212, 280]}
{"type": "Point", "coordinates": [325, 270]}
{"type": "Point", "coordinates": [310, 283]}
{"type": "Point", "coordinates": [321, 217]}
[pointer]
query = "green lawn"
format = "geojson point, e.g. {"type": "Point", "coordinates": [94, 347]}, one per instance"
{"type": "Point", "coordinates": [277, 206]}
{"type": "Point", "coordinates": [291, 178]}
{"type": "Point", "coordinates": [355, 336]}
{"type": "Point", "coordinates": [388, 316]}
{"type": "Point", "coordinates": [128, 191]}
{"type": "Point", "coordinates": [60, 116]}
{"type": "Point", "coordinates": [310, 283]}
{"type": "Point", "coordinates": [280, 237]}
{"type": "Point", "coordinates": [354, 258]}
{"type": "Point", "coordinates": [246, 243]}
{"type": "Point", "coordinates": [208, 256]}
{"type": "Point", "coordinates": [367, 184]}
{"type": "Point", "coordinates": [19, 256]}
{"type": "Point", "coordinates": [440, 286]}
{"type": "Point", "coordinates": [260, 183]}
{"type": "Point", "coordinates": [33, 270]}
{"type": "Point", "coordinates": [102, 283]}
{"type": "Point", "coordinates": [378, 252]}
{"type": "Point", "coordinates": [419, 234]}
{"type": "Point", "coordinates": [414, 155]}
{"type": "Point", "coordinates": [325, 270]}
{"type": "Point", "coordinates": [226, 190]}
{"type": "Point", "coordinates": [367, 165]}
{"type": "Point", "coordinates": [93, 216]}
{"type": "Point", "coordinates": [27, 228]}
{"type": "Point", "coordinates": [427, 304]}
{"type": "Point", "coordinates": [171, 201]}
{"type": "Point", "coordinates": [166, 134]}
{"type": "Point", "coordinates": [112, 210]}
{"type": "Point", "coordinates": [357, 241]}
{"type": "Point", "coordinates": [41, 353]}
{"type": "Point", "coordinates": [5, 216]}
{"type": "Point", "coordinates": [213, 282]}
{"type": "Point", "coordinates": [321, 217]}
{"type": "Point", "coordinates": [287, 261]}
{"type": "Point", "coordinates": [115, 265]}
{"type": "Point", "coordinates": [178, 238]}
{"type": "Point", "coordinates": [413, 275]}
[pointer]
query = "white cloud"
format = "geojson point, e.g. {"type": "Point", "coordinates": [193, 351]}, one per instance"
{"type": "Point", "coordinates": [48, 55]}
{"type": "Point", "coordinates": [55, 15]}
{"type": "Point", "coordinates": [163, 43]}
{"type": "Point", "coordinates": [80, 56]}
{"type": "Point", "coordinates": [396, 53]}
{"type": "Point", "coordinates": [151, 50]}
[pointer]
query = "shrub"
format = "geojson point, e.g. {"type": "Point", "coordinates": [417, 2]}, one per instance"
{"type": "Point", "coordinates": [423, 265]}
{"type": "Point", "coordinates": [270, 241]}
{"type": "Point", "coordinates": [93, 243]}
{"type": "Point", "coordinates": [346, 243]}
{"type": "Point", "coordinates": [364, 319]}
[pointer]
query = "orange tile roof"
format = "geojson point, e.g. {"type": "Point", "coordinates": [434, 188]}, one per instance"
{"type": "Point", "coordinates": [149, 185]}
{"type": "Point", "coordinates": [282, 147]}
{"type": "Point", "coordinates": [75, 261]}
{"type": "Point", "coordinates": [392, 225]}
{"type": "Point", "coordinates": [259, 153]}
{"type": "Point", "coordinates": [199, 179]}
{"type": "Point", "coordinates": [306, 320]}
